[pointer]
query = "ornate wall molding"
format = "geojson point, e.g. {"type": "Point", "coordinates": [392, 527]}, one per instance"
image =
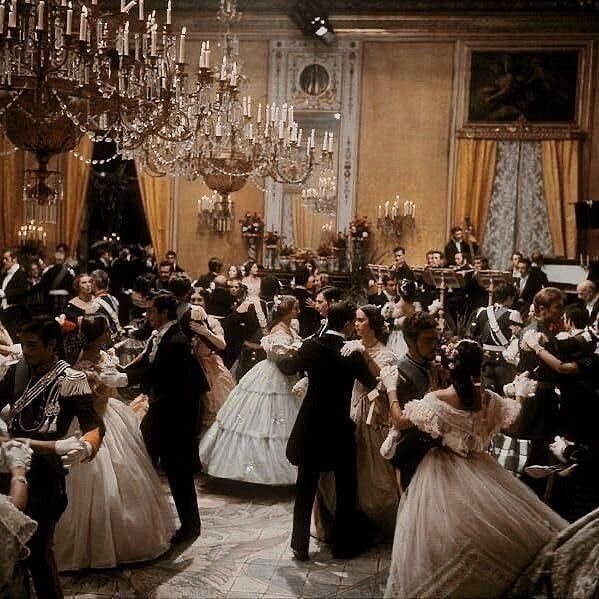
{"type": "Point", "coordinates": [519, 131]}
{"type": "Point", "coordinates": [343, 64]}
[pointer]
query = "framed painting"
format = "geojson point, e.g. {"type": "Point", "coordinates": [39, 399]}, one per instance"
{"type": "Point", "coordinates": [535, 86]}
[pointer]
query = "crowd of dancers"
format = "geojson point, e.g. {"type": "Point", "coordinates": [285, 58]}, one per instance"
{"type": "Point", "coordinates": [473, 449]}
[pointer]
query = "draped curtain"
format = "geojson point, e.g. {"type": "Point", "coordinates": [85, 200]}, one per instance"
{"type": "Point", "coordinates": [517, 214]}
{"type": "Point", "coordinates": [307, 227]}
{"type": "Point", "coordinates": [561, 164]}
{"type": "Point", "coordinates": [474, 182]}
{"type": "Point", "coordinates": [156, 197]}
{"type": "Point", "coordinates": [11, 191]}
{"type": "Point", "coordinates": [76, 179]}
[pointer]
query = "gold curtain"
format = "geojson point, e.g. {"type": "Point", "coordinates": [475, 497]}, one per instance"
{"type": "Point", "coordinates": [156, 197]}
{"type": "Point", "coordinates": [474, 182]}
{"type": "Point", "coordinates": [76, 179]}
{"type": "Point", "coordinates": [11, 191]}
{"type": "Point", "coordinates": [561, 180]}
{"type": "Point", "coordinates": [307, 227]}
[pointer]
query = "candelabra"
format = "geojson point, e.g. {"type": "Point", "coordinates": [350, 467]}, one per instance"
{"type": "Point", "coordinates": [393, 219]}
{"type": "Point", "coordinates": [216, 212]}
{"type": "Point", "coordinates": [69, 69]}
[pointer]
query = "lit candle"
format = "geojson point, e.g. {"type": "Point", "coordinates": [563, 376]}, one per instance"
{"type": "Point", "coordinates": [69, 28]}
{"type": "Point", "coordinates": [251, 132]}
{"type": "Point", "coordinates": [141, 10]}
{"type": "Point", "coordinates": [259, 117]}
{"type": "Point", "coordinates": [219, 128]}
{"type": "Point", "coordinates": [244, 104]}
{"type": "Point", "coordinates": [207, 60]}
{"type": "Point", "coordinates": [169, 13]}
{"type": "Point", "coordinates": [249, 105]}
{"type": "Point", "coordinates": [413, 209]}
{"type": "Point", "coordinates": [284, 112]}
{"type": "Point", "coordinates": [182, 46]}
{"type": "Point", "coordinates": [1, 17]}
{"type": "Point", "coordinates": [126, 39]}
{"type": "Point", "coordinates": [299, 138]}
{"type": "Point", "coordinates": [40, 15]}
{"type": "Point", "coordinates": [202, 52]}
{"type": "Point", "coordinates": [153, 41]}
{"type": "Point", "coordinates": [324, 141]}
{"type": "Point", "coordinates": [122, 5]}
{"type": "Point", "coordinates": [331, 142]}
{"type": "Point", "coordinates": [312, 141]}
{"type": "Point", "coordinates": [386, 208]}
{"type": "Point", "coordinates": [12, 15]}
{"type": "Point", "coordinates": [223, 69]}
{"type": "Point", "coordinates": [281, 131]}
{"type": "Point", "coordinates": [83, 24]}
{"type": "Point", "coordinates": [290, 114]}
{"type": "Point", "coordinates": [267, 114]}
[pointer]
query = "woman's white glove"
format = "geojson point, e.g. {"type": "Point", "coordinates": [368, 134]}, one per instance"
{"type": "Point", "coordinates": [558, 447]}
{"type": "Point", "coordinates": [523, 386]}
{"type": "Point", "coordinates": [389, 377]}
{"type": "Point", "coordinates": [72, 450]}
{"type": "Point", "coordinates": [434, 307]}
{"type": "Point", "coordinates": [349, 347]}
{"type": "Point", "coordinates": [389, 445]}
{"type": "Point", "coordinates": [531, 340]}
{"type": "Point", "coordinates": [14, 454]}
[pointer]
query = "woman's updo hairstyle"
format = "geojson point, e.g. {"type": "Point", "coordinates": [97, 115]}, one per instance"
{"type": "Point", "coordinates": [93, 327]}
{"type": "Point", "coordinates": [464, 363]}
{"type": "Point", "coordinates": [375, 321]}
{"type": "Point", "coordinates": [407, 289]}
{"type": "Point", "coordinates": [283, 304]}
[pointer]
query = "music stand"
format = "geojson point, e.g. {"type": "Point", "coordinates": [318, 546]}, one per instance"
{"type": "Point", "coordinates": [491, 279]}
{"type": "Point", "coordinates": [378, 270]}
{"type": "Point", "coordinates": [443, 279]}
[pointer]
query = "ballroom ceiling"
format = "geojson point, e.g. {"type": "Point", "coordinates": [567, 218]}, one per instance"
{"type": "Point", "coordinates": [390, 7]}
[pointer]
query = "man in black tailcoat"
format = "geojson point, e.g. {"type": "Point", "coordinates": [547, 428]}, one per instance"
{"type": "Point", "coordinates": [174, 381]}
{"type": "Point", "coordinates": [323, 436]}
{"type": "Point", "coordinates": [13, 289]}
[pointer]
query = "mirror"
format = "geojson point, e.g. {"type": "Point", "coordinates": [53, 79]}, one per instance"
{"type": "Point", "coordinates": [308, 208]}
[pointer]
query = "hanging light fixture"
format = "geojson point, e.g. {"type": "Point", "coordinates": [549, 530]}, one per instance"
{"type": "Point", "coordinates": [222, 136]}
{"type": "Point", "coordinates": [70, 68]}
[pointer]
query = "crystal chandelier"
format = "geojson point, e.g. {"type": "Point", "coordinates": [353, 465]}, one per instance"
{"type": "Point", "coordinates": [321, 198]}
{"type": "Point", "coordinates": [216, 213]}
{"type": "Point", "coordinates": [222, 136]}
{"type": "Point", "coordinates": [69, 69]}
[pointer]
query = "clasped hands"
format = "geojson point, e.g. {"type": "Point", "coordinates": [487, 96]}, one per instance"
{"type": "Point", "coordinates": [533, 341]}
{"type": "Point", "coordinates": [73, 450]}
{"type": "Point", "coordinates": [15, 454]}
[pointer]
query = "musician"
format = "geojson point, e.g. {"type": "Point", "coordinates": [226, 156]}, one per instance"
{"type": "Point", "coordinates": [457, 243]}
{"type": "Point", "coordinates": [400, 269]}
{"type": "Point", "coordinates": [387, 291]}
{"type": "Point", "coordinates": [532, 280]}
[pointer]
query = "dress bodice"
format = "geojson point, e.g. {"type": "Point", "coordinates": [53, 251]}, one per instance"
{"type": "Point", "coordinates": [201, 348]}
{"type": "Point", "coordinates": [459, 430]}
{"type": "Point", "coordinates": [101, 392]}
{"type": "Point", "coordinates": [360, 404]}
{"type": "Point", "coordinates": [279, 341]}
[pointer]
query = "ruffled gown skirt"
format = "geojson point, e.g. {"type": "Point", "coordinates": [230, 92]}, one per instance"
{"type": "Point", "coordinates": [221, 384]}
{"type": "Point", "coordinates": [248, 439]}
{"type": "Point", "coordinates": [465, 528]}
{"type": "Point", "coordinates": [118, 511]}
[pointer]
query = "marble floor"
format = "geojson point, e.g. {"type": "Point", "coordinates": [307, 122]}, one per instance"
{"type": "Point", "coordinates": [243, 552]}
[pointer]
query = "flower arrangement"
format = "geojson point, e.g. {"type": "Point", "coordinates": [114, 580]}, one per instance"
{"type": "Point", "coordinates": [303, 255]}
{"type": "Point", "coordinates": [340, 242]}
{"type": "Point", "coordinates": [287, 250]}
{"type": "Point", "coordinates": [271, 238]}
{"type": "Point", "coordinates": [359, 228]}
{"type": "Point", "coordinates": [324, 250]}
{"type": "Point", "coordinates": [252, 224]}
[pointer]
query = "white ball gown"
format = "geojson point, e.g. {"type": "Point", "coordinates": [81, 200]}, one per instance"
{"type": "Point", "coordinates": [466, 527]}
{"type": "Point", "coordinates": [118, 511]}
{"type": "Point", "coordinates": [248, 439]}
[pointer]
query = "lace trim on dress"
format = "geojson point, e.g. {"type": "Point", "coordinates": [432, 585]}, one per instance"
{"type": "Point", "coordinates": [15, 531]}
{"type": "Point", "coordinates": [459, 430]}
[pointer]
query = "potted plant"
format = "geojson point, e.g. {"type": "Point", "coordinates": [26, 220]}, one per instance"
{"type": "Point", "coordinates": [285, 255]}
{"type": "Point", "coordinates": [324, 254]}
{"type": "Point", "coordinates": [271, 241]}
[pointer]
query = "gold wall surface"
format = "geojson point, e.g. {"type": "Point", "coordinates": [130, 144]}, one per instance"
{"type": "Point", "coordinates": [404, 138]}
{"type": "Point", "coordinates": [195, 246]}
